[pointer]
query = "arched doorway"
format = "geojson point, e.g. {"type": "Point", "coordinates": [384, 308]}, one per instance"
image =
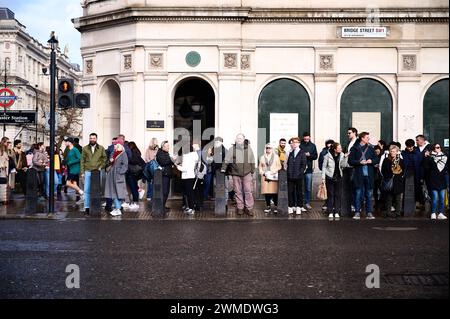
{"type": "Point", "coordinates": [110, 111]}
{"type": "Point", "coordinates": [366, 104]}
{"type": "Point", "coordinates": [194, 102]}
{"type": "Point", "coordinates": [283, 98]}
{"type": "Point", "coordinates": [435, 113]}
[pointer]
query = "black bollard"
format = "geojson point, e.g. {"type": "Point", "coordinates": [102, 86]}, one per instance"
{"type": "Point", "coordinates": [346, 198]}
{"type": "Point", "coordinates": [282, 193]}
{"type": "Point", "coordinates": [409, 201]}
{"type": "Point", "coordinates": [158, 209]}
{"type": "Point", "coordinates": [95, 205]}
{"type": "Point", "coordinates": [220, 204]}
{"type": "Point", "coordinates": [31, 197]}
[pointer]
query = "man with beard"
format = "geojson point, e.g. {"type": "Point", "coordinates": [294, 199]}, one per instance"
{"type": "Point", "coordinates": [93, 157]}
{"type": "Point", "coordinates": [281, 151]}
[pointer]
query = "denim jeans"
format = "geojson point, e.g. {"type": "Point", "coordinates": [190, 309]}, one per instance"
{"type": "Point", "coordinates": [207, 184]}
{"type": "Point", "coordinates": [117, 203]}
{"type": "Point", "coordinates": [47, 181]}
{"type": "Point", "coordinates": [150, 189]}
{"type": "Point", "coordinates": [87, 189]}
{"type": "Point", "coordinates": [437, 201]}
{"type": "Point", "coordinates": [133, 184]}
{"type": "Point", "coordinates": [364, 191]}
{"type": "Point", "coordinates": [308, 186]}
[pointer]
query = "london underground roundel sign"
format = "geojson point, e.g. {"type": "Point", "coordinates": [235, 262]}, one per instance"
{"type": "Point", "coordinates": [7, 97]}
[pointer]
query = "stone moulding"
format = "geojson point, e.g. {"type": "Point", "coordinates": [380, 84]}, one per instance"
{"type": "Point", "coordinates": [249, 15]}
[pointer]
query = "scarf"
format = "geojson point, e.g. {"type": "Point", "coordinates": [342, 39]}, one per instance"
{"type": "Point", "coordinates": [440, 159]}
{"type": "Point", "coordinates": [268, 161]}
{"type": "Point", "coordinates": [396, 168]}
{"type": "Point", "coordinates": [115, 155]}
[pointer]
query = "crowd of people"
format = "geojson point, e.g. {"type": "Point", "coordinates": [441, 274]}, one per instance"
{"type": "Point", "coordinates": [375, 173]}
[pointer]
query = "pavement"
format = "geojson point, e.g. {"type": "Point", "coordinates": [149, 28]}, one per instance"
{"type": "Point", "coordinates": [264, 256]}
{"type": "Point", "coordinates": [66, 207]}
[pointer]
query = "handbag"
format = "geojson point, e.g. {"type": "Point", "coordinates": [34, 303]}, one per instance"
{"type": "Point", "coordinates": [387, 184]}
{"type": "Point", "coordinates": [322, 192]}
{"type": "Point", "coordinates": [271, 176]}
{"type": "Point", "coordinates": [135, 169]}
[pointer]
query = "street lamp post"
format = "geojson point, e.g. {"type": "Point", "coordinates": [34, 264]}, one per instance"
{"type": "Point", "coordinates": [53, 45]}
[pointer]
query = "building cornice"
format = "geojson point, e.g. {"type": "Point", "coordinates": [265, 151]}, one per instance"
{"type": "Point", "coordinates": [257, 15]}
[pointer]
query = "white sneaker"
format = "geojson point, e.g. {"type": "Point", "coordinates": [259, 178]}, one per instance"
{"type": "Point", "coordinates": [433, 216]}
{"type": "Point", "coordinates": [267, 210]}
{"type": "Point", "coordinates": [116, 212]}
{"type": "Point", "coordinates": [134, 206]}
{"type": "Point", "coordinates": [190, 211]}
{"type": "Point", "coordinates": [125, 205]}
{"type": "Point", "coordinates": [298, 210]}
{"type": "Point", "coordinates": [330, 216]}
{"type": "Point", "coordinates": [303, 209]}
{"type": "Point", "coordinates": [324, 207]}
{"type": "Point", "coordinates": [141, 193]}
{"type": "Point", "coordinates": [336, 216]}
{"type": "Point", "coordinates": [392, 209]}
{"type": "Point", "coordinates": [441, 216]}
{"type": "Point", "coordinates": [290, 210]}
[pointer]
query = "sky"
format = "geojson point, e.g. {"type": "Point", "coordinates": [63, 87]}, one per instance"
{"type": "Point", "coordinates": [40, 17]}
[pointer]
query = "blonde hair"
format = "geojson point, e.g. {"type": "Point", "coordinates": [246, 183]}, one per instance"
{"type": "Point", "coordinates": [119, 147]}
{"type": "Point", "coordinates": [394, 147]}
{"type": "Point", "coordinates": [153, 144]}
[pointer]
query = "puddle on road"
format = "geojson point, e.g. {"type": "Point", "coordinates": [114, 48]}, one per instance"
{"type": "Point", "coordinates": [396, 228]}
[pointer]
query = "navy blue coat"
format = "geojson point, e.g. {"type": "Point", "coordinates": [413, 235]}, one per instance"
{"type": "Point", "coordinates": [416, 157]}
{"type": "Point", "coordinates": [354, 160]}
{"type": "Point", "coordinates": [434, 178]}
{"type": "Point", "coordinates": [296, 166]}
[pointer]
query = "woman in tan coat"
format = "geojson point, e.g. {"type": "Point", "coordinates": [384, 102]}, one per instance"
{"type": "Point", "coordinates": [269, 165]}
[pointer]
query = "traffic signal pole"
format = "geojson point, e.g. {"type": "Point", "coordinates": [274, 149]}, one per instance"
{"type": "Point", "coordinates": [51, 198]}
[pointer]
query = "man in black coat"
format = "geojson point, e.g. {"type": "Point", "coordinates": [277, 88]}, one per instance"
{"type": "Point", "coordinates": [363, 159]}
{"type": "Point", "coordinates": [310, 150]}
{"type": "Point", "coordinates": [296, 167]}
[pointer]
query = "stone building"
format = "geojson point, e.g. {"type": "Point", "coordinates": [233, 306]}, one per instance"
{"type": "Point", "coordinates": [26, 62]}
{"type": "Point", "coordinates": [283, 66]}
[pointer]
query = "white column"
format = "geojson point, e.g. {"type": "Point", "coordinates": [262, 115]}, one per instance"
{"type": "Point", "coordinates": [230, 111]}
{"type": "Point", "coordinates": [126, 106]}
{"type": "Point", "coordinates": [92, 115]}
{"type": "Point", "coordinates": [409, 115]}
{"type": "Point", "coordinates": [326, 118]}
{"type": "Point", "coordinates": [157, 107]}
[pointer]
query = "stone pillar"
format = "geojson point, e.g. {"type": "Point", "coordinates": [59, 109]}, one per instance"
{"type": "Point", "coordinates": [158, 209]}
{"type": "Point", "coordinates": [95, 208]}
{"type": "Point", "coordinates": [282, 193]}
{"type": "Point", "coordinates": [31, 197]}
{"type": "Point", "coordinates": [220, 208]}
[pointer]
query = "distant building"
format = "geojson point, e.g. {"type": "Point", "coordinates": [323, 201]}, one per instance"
{"type": "Point", "coordinates": [26, 61]}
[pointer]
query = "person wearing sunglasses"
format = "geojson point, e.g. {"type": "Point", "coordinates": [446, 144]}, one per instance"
{"type": "Point", "coordinates": [436, 168]}
{"type": "Point", "coordinates": [269, 165]}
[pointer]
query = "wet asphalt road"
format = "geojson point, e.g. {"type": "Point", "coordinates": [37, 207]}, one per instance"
{"type": "Point", "coordinates": [220, 259]}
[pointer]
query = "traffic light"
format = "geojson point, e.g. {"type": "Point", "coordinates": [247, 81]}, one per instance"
{"type": "Point", "coordinates": [65, 93]}
{"type": "Point", "coordinates": [82, 100]}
